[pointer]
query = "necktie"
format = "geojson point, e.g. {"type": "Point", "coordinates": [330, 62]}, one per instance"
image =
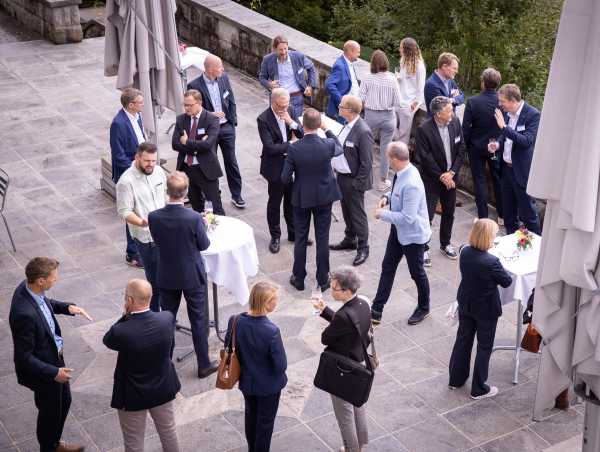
{"type": "Point", "coordinates": [192, 135]}
{"type": "Point", "coordinates": [394, 181]}
{"type": "Point", "coordinates": [141, 125]}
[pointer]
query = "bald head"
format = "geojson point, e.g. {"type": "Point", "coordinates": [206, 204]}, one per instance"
{"type": "Point", "coordinates": [213, 66]}
{"type": "Point", "coordinates": [351, 50]}
{"type": "Point", "coordinates": [140, 292]}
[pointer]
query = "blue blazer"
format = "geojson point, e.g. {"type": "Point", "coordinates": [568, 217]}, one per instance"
{"type": "Point", "coordinates": [123, 144]}
{"type": "Point", "coordinates": [145, 376]}
{"type": "Point", "coordinates": [434, 86]}
{"type": "Point", "coordinates": [309, 161]}
{"type": "Point", "coordinates": [479, 123]}
{"type": "Point", "coordinates": [300, 64]}
{"type": "Point", "coordinates": [180, 236]}
{"type": "Point", "coordinates": [35, 353]}
{"type": "Point", "coordinates": [338, 84]}
{"type": "Point", "coordinates": [227, 98]}
{"type": "Point", "coordinates": [481, 274]}
{"type": "Point", "coordinates": [262, 356]}
{"type": "Point", "coordinates": [523, 138]}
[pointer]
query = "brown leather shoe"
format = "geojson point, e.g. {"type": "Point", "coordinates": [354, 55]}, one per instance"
{"type": "Point", "coordinates": [64, 447]}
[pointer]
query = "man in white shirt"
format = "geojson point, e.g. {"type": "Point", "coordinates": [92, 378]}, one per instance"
{"type": "Point", "coordinates": [343, 79]}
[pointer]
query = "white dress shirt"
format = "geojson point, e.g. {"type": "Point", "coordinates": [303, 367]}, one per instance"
{"type": "Point", "coordinates": [445, 136]}
{"type": "Point", "coordinates": [282, 126]}
{"type": "Point", "coordinates": [354, 88]}
{"type": "Point", "coordinates": [512, 123]}
{"type": "Point", "coordinates": [136, 126]}
{"type": "Point", "coordinates": [412, 87]}
{"type": "Point", "coordinates": [340, 163]}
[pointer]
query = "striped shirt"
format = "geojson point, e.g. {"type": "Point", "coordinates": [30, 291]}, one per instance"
{"type": "Point", "coordinates": [380, 91]}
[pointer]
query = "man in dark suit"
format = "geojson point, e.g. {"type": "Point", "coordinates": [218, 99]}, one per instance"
{"type": "Point", "coordinates": [277, 130]}
{"type": "Point", "coordinates": [479, 127]}
{"type": "Point", "coordinates": [126, 134]}
{"type": "Point", "coordinates": [354, 170]}
{"type": "Point", "coordinates": [217, 97]}
{"type": "Point", "coordinates": [195, 138]}
{"type": "Point", "coordinates": [519, 126]}
{"type": "Point", "coordinates": [145, 380]}
{"type": "Point", "coordinates": [180, 236]}
{"type": "Point", "coordinates": [441, 82]}
{"type": "Point", "coordinates": [440, 150]}
{"type": "Point", "coordinates": [342, 79]}
{"type": "Point", "coordinates": [38, 351]}
{"type": "Point", "coordinates": [313, 191]}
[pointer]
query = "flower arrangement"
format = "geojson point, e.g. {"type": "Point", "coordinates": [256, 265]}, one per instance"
{"type": "Point", "coordinates": [524, 239]}
{"type": "Point", "coordinates": [210, 221]}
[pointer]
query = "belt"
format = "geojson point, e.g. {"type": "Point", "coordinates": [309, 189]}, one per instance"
{"type": "Point", "coordinates": [296, 93]}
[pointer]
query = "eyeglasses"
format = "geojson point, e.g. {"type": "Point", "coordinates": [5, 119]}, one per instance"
{"type": "Point", "coordinates": [189, 105]}
{"type": "Point", "coordinates": [341, 107]}
{"type": "Point", "coordinates": [337, 289]}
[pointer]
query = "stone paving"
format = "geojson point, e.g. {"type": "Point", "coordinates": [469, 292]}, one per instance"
{"type": "Point", "coordinates": [54, 120]}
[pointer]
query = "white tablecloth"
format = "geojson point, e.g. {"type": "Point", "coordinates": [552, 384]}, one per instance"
{"type": "Point", "coordinates": [232, 257]}
{"type": "Point", "coordinates": [522, 265]}
{"type": "Point", "coordinates": [193, 56]}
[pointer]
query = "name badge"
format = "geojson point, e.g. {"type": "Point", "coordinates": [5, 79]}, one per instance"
{"type": "Point", "coordinates": [349, 144]}
{"type": "Point", "coordinates": [201, 132]}
{"type": "Point", "coordinates": [520, 128]}
{"type": "Point", "coordinates": [457, 140]}
{"type": "Point", "coordinates": [225, 94]}
{"type": "Point", "coordinates": [300, 70]}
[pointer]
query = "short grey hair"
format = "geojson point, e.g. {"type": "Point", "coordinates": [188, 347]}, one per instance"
{"type": "Point", "coordinates": [347, 278]}
{"type": "Point", "coordinates": [177, 185]}
{"type": "Point", "coordinates": [278, 93]}
{"type": "Point", "coordinates": [438, 103]}
{"type": "Point", "coordinates": [398, 150]}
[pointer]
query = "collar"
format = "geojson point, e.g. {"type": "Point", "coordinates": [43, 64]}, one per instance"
{"type": "Point", "coordinates": [175, 203]}
{"type": "Point", "coordinates": [518, 112]}
{"type": "Point", "coordinates": [441, 126]}
{"type": "Point", "coordinates": [350, 124]}
{"type": "Point", "coordinates": [277, 118]}
{"type": "Point", "coordinates": [287, 60]}
{"type": "Point", "coordinates": [347, 60]}
{"type": "Point", "coordinates": [402, 171]}
{"type": "Point", "coordinates": [440, 76]}
{"type": "Point", "coordinates": [38, 298]}
{"type": "Point", "coordinates": [132, 117]}
{"type": "Point", "coordinates": [209, 81]}
{"type": "Point", "coordinates": [140, 312]}
{"type": "Point", "coordinates": [196, 116]}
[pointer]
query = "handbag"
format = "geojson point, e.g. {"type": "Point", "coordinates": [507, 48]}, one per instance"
{"type": "Point", "coordinates": [531, 339]}
{"type": "Point", "coordinates": [228, 373]}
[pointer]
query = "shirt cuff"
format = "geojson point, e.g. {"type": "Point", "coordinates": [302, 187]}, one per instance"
{"type": "Point", "coordinates": [294, 125]}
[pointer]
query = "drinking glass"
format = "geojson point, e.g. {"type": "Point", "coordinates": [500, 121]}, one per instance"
{"type": "Point", "coordinates": [208, 207]}
{"type": "Point", "coordinates": [316, 295]}
{"type": "Point", "coordinates": [493, 142]}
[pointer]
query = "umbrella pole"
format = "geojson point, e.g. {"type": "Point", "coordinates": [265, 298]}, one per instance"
{"type": "Point", "coordinates": [591, 421]}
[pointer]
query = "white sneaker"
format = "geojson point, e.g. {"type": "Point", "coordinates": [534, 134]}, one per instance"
{"type": "Point", "coordinates": [426, 259]}
{"type": "Point", "coordinates": [385, 185]}
{"type": "Point", "coordinates": [491, 393]}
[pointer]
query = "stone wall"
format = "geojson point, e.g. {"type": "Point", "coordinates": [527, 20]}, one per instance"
{"type": "Point", "coordinates": [56, 20]}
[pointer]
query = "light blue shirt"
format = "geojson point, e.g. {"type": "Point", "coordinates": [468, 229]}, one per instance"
{"type": "Point", "coordinates": [39, 299]}
{"type": "Point", "coordinates": [215, 95]}
{"type": "Point", "coordinates": [287, 78]}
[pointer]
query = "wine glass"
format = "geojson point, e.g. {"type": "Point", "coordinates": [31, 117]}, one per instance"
{"type": "Point", "coordinates": [208, 207]}
{"type": "Point", "coordinates": [315, 296]}
{"type": "Point", "coordinates": [493, 143]}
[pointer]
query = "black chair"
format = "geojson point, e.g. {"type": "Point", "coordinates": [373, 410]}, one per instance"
{"type": "Point", "coordinates": [4, 181]}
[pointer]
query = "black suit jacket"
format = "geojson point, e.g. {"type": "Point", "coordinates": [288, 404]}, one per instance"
{"type": "Point", "coordinates": [430, 150]}
{"type": "Point", "coordinates": [309, 161]}
{"type": "Point", "coordinates": [274, 148]}
{"type": "Point", "coordinates": [204, 149]}
{"type": "Point", "coordinates": [358, 150]}
{"type": "Point", "coordinates": [145, 376]}
{"type": "Point", "coordinates": [180, 236]}
{"type": "Point", "coordinates": [478, 294]}
{"type": "Point", "coordinates": [35, 353]}
{"type": "Point", "coordinates": [227, 98]}
{"type": "Point", "coordinates": [479, 123]}
{"type": "Point", "coordinates": [341, 336]}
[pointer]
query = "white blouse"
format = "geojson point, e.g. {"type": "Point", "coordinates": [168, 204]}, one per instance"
{"type": "Point", "coordinates": [412, 86]}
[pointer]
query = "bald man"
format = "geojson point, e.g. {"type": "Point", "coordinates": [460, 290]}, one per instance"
{"type": "Point", "coordinates": [342, 80]}
{"type": "Point", "coordinates": [217, 97]}
{"type": "Point", "coordinates": [145, 379]}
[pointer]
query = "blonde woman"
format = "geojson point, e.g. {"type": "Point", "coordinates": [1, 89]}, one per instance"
{"type": "Point", "coordinates": [263, 363]}
{"type": "Point", "coordinates": [478, 309]}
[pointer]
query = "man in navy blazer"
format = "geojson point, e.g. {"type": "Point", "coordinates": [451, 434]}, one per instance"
{"type": "Point", "coordinates": [217, 97]}
{"type": "Point", "coordinates": [479, 126]}
{"type": "Point", "coordinates": [519, 125]}
{"type": "Point", "coordinates": [441, 82]}
{"type": "Point", "coordinates": [145, 379]}
{"type": "Point", "coordinates": [314, 190]}
{"type": "Point", "coordinates": [126, 134]}
{"type": "Point", "coordinates": [180, 236]}
{"type": "Point", "coordinates": [291, 70]}
{"type": "Point", "coordinates": [342, 79]}
{"type": "Point", "coordinates": [38, 350]}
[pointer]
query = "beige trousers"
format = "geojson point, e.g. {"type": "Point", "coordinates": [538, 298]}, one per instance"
{"type": "Point", "coordinates": [133, 425]}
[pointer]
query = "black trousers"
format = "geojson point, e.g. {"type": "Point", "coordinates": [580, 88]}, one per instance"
{"type": "Point", "coordinates": [226, 142]}
{"type": "Point", "coordinates": [197, 309]}
{"type": "Point", "coordinates": [149, 254]}
{"type": "Point", "coordinates": [435, 191]}
{"type": "Point", "coordinates": [279, 191]}
{"type": "Point", "coordinates": [259, 419]}
{"type": "Point", "coordinates": [518, 205]}
{"type": "Point", "coordinates": [202, 189]}
{"type": "Point", "coordinates": [394, 252]}
{"type": "Point", "coordinates": [460, 360]}
{"type": "Point", "coordinates": [353, 210]}
{"type": "Point", "coordinates": [322, 221]}
{"type": "Point", "coordinates": [52, 401]}
{"type": "Point", "coordinates": [478, 162]}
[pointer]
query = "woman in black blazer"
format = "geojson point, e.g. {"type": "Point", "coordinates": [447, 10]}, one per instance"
{"type": "Point", "coordinates": [263, 363]}
{"type": "Point", "coordinates": [341, 337]}
{"type": "Point", "coordinates": [478, 309]}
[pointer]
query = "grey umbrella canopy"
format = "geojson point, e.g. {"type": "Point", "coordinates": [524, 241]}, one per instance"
{"type": "Point", "coordinates": [141, 49]}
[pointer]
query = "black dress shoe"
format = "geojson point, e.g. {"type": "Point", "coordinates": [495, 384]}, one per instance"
{"type": "Point", "coordinates": [343, 245]}
{"type": "Point", "coordinates": [360, 258]}
{"type": "Point", "coordinates": [299, 285]}
{"type": "Point", "coordinates": [326, 286]}
{"type": "Point", "coordinates": [418, 316]}
{"type": "Point", "coordinates": [274, 246]}
{"type": "Point", "coordinates": [309, 242]}
{"type": "Point", "coordinates": [203, 373]}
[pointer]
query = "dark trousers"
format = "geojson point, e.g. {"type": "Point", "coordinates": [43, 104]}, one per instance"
{"type": "Point", "coordinates": [52, 401]}
{"type": "Point", "coordinates": [353, 210]}
{"type": "Point", "coordinates": [394, 252]}
{"type": "Point", "coordinates": [226, 142]}
{"type": "Point", "coordinates": [517, 204]}
{"type": "Point", "coordinates": [149, 254]}
{"type": "Point", "coordinates": [132, 250]}
{"type": "Point", "coordinates": [260, 412]}
{"type": "Point", "coordinates": [435, 191]}
{"type": "Point", "coordinates": [322, 221]}
{"type": "Point", "coordinates": [197, 309]}
{"type": "Point", "coordinates": [279, 191]}
{"type": "Point", "coordinates": [202, 189]}
{"type": "Point", "coordinates": [460, 360]}
{"type": "Point", "coordinates": [478, 162]}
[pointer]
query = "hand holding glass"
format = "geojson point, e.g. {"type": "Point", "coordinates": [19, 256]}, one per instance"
{"type": "Point", "coordinates": [316, 298]}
